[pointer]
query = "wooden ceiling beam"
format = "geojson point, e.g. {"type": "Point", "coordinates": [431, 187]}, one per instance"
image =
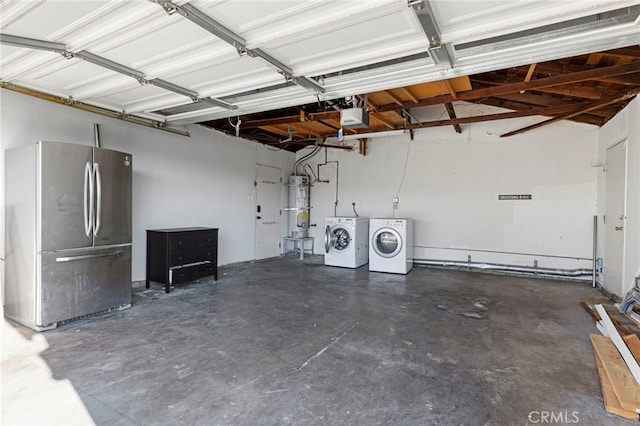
{"type": "Point", "coordinates": [516, 87]}
{"type": "Point", "coordinates": [290, 119]}
{"type": "Point", "coordinates": [633, 51]}
{"type": "Point", "coordinates": [452, 115]}
{"type": "Point", "coordinates": [568, 115]}
{"type": "Point", "coordinates": [530, 71]}
{"type": "Point", "coordinates": [452, 91]}
{"type": "Point", "coordinates": [393, 97]}
{"type": "Point", "coordinates": [548, 111]}
{"type": "Point", "coordinates": [533, 99]}
{"type": "Point", "coordinates": [408, 94]}
{"type": "Point", "coordinates": [381, 119]}
{"type": "Point", "coordinates": [300, 127]}
{"type": "Point", "coordinates": [530, 100]}
{"type": "Point", "coordinates": [325, 123]}
{"type": "Point", "coordinates": [594, 59]}
{"type": "Point", "coordinates": [573, 90]}
{"type": "Point", "coordinates": [564, 68]}
{"type": "Point", "coordinates": [373, 113]}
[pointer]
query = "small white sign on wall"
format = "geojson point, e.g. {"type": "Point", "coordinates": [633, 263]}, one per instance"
{"type": "Point", "coordinates": [503, 197]}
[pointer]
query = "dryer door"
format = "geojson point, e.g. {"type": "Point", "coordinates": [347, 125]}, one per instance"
{"type": "Point", "coordinates": [386, 242]}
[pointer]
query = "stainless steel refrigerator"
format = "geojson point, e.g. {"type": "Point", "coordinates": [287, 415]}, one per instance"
{"type": "Point", "coordinates": [68, 232]}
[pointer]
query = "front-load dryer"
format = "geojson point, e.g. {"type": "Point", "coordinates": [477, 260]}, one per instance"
{"type": "Point", "coordinates": [346, 241]}
{"type": "Point", "coordinates": [391, 245]}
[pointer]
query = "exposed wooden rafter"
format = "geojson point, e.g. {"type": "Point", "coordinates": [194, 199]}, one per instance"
{"type": "Point", "coordinates": [452, 91]}
{"type": "Point", "coordinates": [393, 97]}
{"type": "Point", "coordinates": [531, 85]}
{"type": "Point", "coordinates": [532, 68]}
{"type": "Point", "coordinates": [566, 116]}
{"type": "Point", "coordinates": [588, 89]}
{"type": "Point", "coordinates": [452, 115]}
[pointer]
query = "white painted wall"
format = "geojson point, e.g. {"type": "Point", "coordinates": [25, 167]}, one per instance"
{"type": "Point", "coordinates": [625, 125]}
{"type": "Point", "coordinates": [203, 180]}
{"type": "Point", "coordinates": [451, 186]}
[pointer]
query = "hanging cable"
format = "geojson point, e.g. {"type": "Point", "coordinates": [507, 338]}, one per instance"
{"type": "Point", "coordinates": [404, 172]}
{"type": "Point", "coordinates": [235, 126]}
{"type": "Point", "coordinates": [354, 209]}
{"type": "Point", "coordinates": [316, 149]}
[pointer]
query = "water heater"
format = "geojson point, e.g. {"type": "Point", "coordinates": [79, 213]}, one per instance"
{"type": "Point", "coordinates": [299, 206]}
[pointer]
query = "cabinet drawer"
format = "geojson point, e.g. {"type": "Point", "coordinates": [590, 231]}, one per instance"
{"type": "Point", "coordinates": [192, 255]}
{"type": "Point", "coordinates": [190, 273]}
{"type": "Point", "coordinates": [192, 239]}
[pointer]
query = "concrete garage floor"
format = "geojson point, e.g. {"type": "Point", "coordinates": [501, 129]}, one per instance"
{"type": "Point", "coordinates": [286, 341]}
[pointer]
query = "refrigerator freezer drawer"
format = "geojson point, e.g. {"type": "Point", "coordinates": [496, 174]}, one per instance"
{"type": "Point", "coordinates": [76, 283]}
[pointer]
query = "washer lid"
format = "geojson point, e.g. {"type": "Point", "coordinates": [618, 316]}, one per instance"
{"type": "Point", "coordinates": [386, 242]}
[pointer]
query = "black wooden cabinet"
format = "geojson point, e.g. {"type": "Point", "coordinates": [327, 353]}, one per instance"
{"type": "Point", "coordinates": [181, 254]}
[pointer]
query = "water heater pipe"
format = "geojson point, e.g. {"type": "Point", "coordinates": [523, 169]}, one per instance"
{"type": "Point", "coordinates": [326, 162]}
{"type": "Point", "coordinates": [306, 157]}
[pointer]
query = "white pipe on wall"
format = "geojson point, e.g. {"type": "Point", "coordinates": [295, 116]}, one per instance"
{"type": "Point", "coordinates": [571, 273]}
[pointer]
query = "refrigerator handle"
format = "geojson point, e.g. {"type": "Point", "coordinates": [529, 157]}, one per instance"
{"type": "Point", "coordinates": [87, 256]}
{"type": "Point", "coordinates": [98, 212]}
{"type": "Point", "coordinates": [88, 209]}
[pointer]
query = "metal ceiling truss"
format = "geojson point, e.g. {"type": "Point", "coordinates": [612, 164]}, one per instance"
{"type": "Point", "coordinates": [154, 124]}
{"type": "Point", "coordinates": [441, 54]}
{"type": "Point", "coordinates": [209, 24]}
{"type": "Point", "coordinates": [61, 48]}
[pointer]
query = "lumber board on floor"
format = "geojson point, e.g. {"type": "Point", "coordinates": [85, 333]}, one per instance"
{"type": "Point", "coordinates": [611, 403]}
{"type": "Point", "coordinates": [623, 324]}
{"type": "Point", "coordinates": [623, 385]}
{"type": "Point", "coordinates": [620, 344]}
{"type": "Point", "coordinates": [633, 343]}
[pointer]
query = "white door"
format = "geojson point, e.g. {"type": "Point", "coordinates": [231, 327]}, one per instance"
{"type": "Point", "coordinates": [615, 219]}
{"type": "Point", "coordinates": [268, 192]}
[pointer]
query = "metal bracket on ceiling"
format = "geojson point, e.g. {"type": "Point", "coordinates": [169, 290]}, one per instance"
{"type": "Point", "coordinates": [214, 27]}
{"type": "Point", "coordinates": [61, 48]}
{"type": "Point", "coordinates": [32, 43]}
{"type": "Point", "coordinates": [441, 53]}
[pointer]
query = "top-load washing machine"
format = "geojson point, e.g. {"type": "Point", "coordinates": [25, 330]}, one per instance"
{"type": "Point", "coordinates": [391, 245]}
{"type": "Point", "coordinates": [346, 241]}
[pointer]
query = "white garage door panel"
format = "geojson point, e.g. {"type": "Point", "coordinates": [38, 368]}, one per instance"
{"type": "Point", "coordinates": [354, 39]}
{"type": "Point", "coordinates": [141, 93]}
{"type": "Point", "coordinates": [47, 18]}
{"type": "Point", "coordinates": [463, 21]}
{"type": "Point", "coordinates": [70, 74]}
{"type": "Point", "coordinates": [177, 35]}
{"type": "Point", "coordinates": [212, 72]}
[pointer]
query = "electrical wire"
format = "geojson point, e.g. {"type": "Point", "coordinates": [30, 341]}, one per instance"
{"type": "Point", "coordinates": [235, 126]}
{"type": "Point", "coordinates": [316, 149]}
{"type": "Point", "coordinates": [404, 172]}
